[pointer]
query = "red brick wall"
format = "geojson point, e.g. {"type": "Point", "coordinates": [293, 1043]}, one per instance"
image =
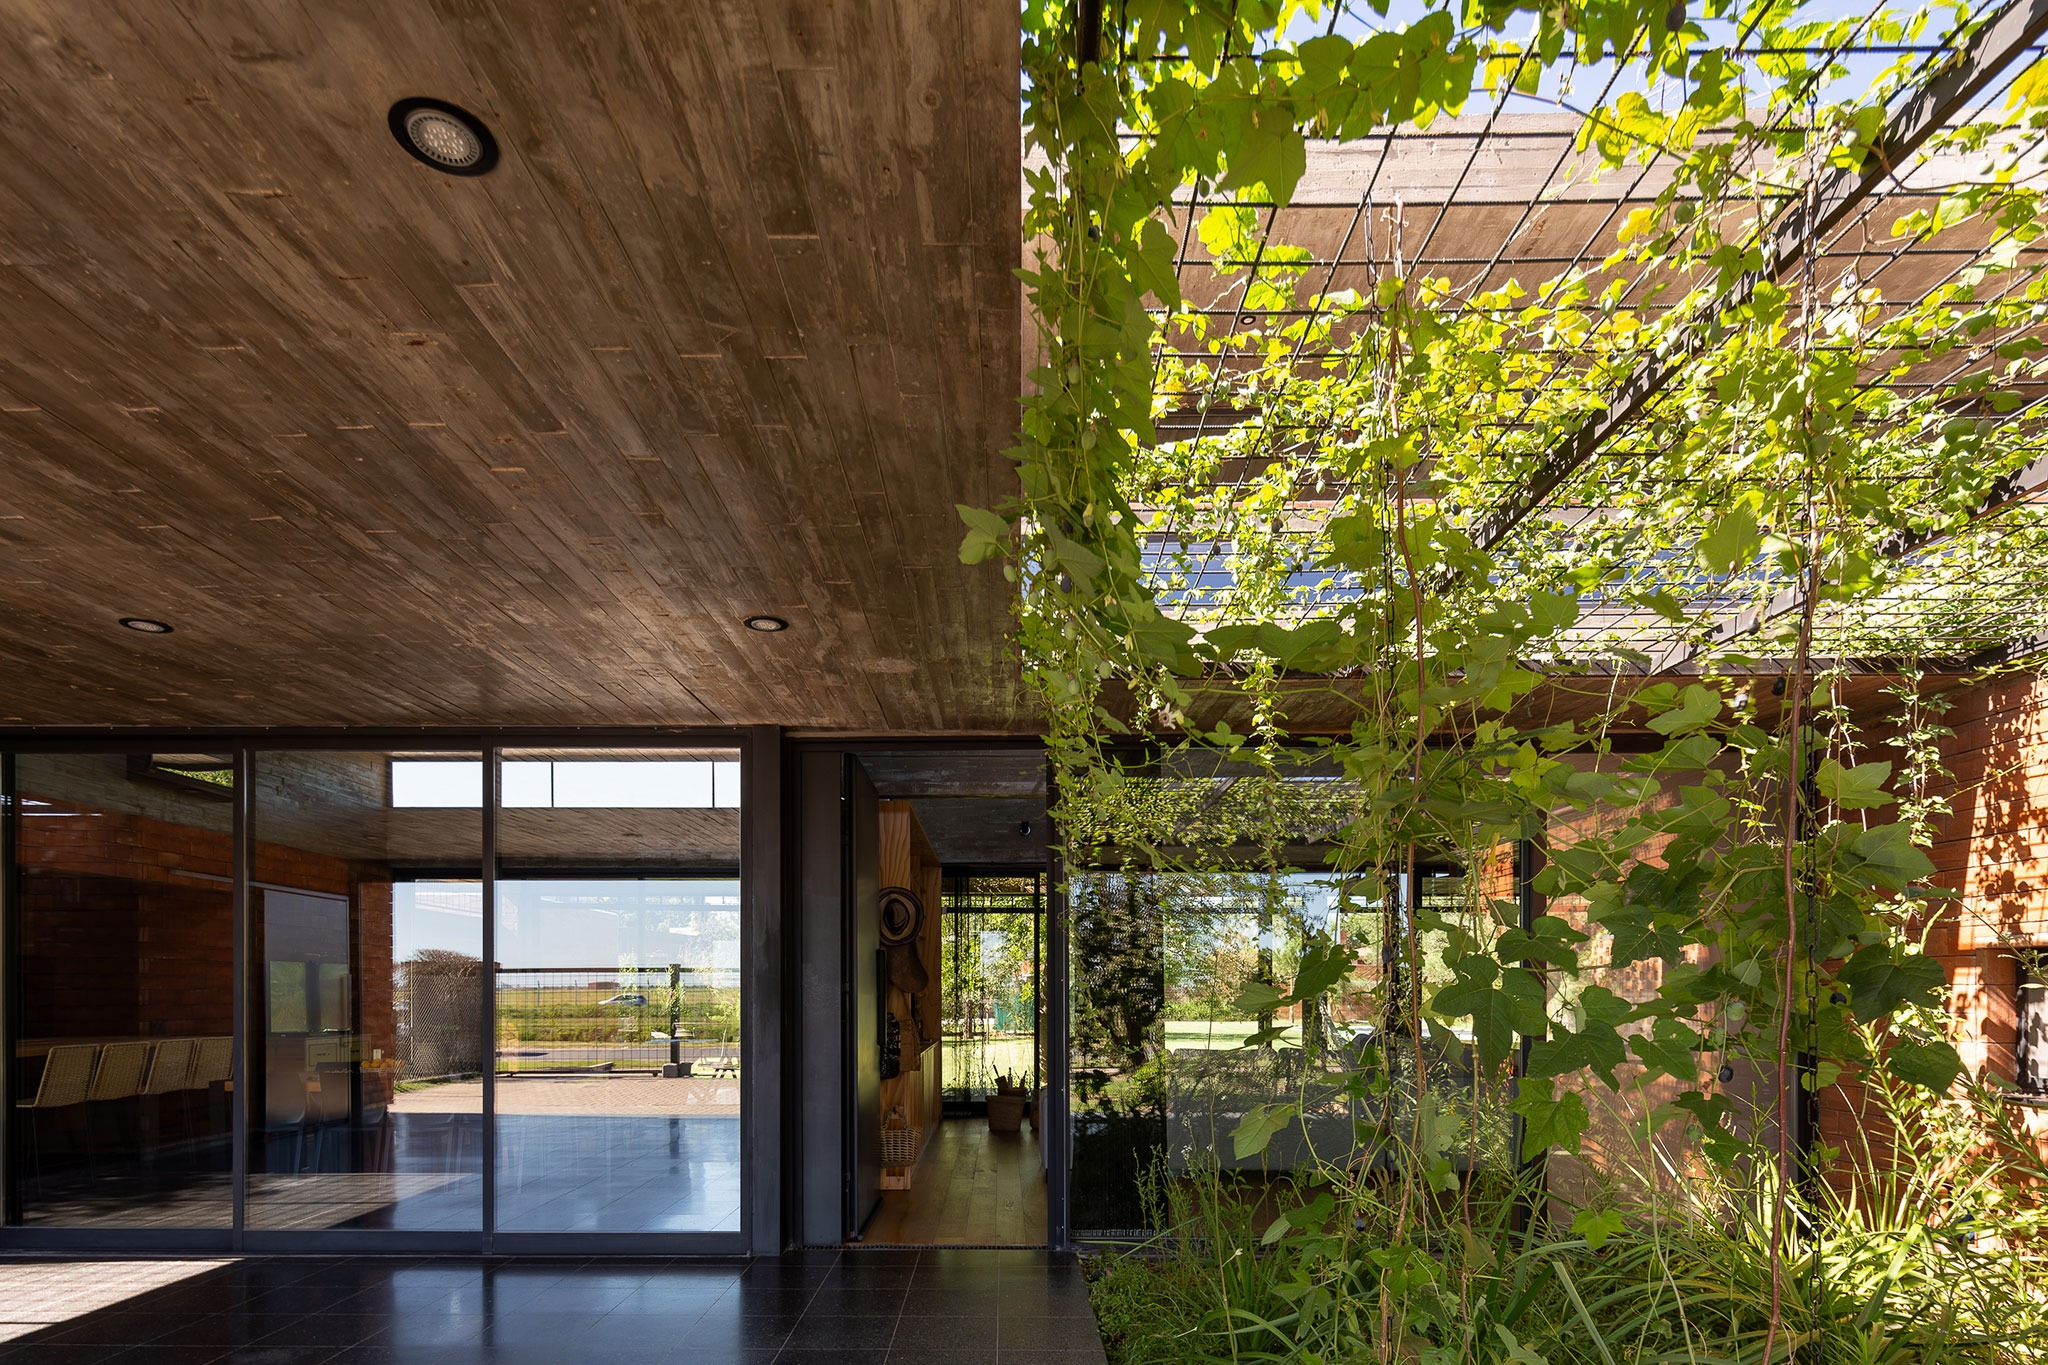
{"type": "Point", "coordinates": [127, 923]}
{"type": "Point", "coordinates": [1992, 850]}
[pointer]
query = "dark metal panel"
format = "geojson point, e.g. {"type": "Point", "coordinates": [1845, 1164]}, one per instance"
{"type": "Point", "coordinates": [10, 1198]}
{"type": "Point", "coordinates": [817, 1050]}
{"type": "Point", "coordinates": [244, 1046]}
{"type": "Point", "coordinates": [725, 1244]}
{"type": "Point", "coordinates": [1057, 1133]}
{"type": "Point", "coordinates": [761, 994]}
{"type": "Point", "coordinates": [123, 1241]}
{"type": "Point", "coordinates": [863, 975]}
{"type": "Point", "coordinates": [358, 1242]}
{"type": "Point", "coordinates": [493, 787]}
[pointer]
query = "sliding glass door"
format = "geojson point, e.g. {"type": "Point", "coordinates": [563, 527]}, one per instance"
{"type": "Point", "coordinates": [353, 997]}
{"type": "Point", "coordinates": [618, 992]}
{"type": "Point", "coordinates": [365, 1106]}
{"type": "Point", "coordinates": [121, 990]}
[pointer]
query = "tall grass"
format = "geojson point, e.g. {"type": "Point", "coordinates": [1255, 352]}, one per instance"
{"type": "Point", "coordinates": [1920, 1249]}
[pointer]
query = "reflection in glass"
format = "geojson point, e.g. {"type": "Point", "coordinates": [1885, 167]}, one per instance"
{"type": "Point", "coordinates": [988, 970]}
{"type": "Point", "coordinates": [123, 1047]}
{"type": "Point", "coordinates": [366, 1093]}
{"type": "Point", "coordinates": [618, 964]}
{"type": "Point", "coordinates": [1161, 1017]}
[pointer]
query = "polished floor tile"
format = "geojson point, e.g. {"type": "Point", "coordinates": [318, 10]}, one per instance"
{"type": "Point", "coordinates": [826, 1307]}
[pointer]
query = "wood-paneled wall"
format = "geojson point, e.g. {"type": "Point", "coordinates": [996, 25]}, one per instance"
{"type": "Point", "coordinates": [908, 862]}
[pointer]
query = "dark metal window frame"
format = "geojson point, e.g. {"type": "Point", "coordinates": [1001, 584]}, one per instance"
{"type": "Point", "coordinates": [760, 874]}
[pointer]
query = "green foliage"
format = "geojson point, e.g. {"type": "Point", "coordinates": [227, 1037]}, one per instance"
{"type": "Point", "coordinates": [1340, 539]}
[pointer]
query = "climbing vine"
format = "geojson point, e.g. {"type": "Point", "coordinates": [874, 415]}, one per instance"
{"type": "Point", "coordinates": [1271, 533]}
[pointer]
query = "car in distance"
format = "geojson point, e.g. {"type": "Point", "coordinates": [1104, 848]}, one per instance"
{"type": "Point", "coordinates": [628, 998]}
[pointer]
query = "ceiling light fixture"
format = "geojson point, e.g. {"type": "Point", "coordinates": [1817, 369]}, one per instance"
{"type": "Point", "coordinates": [767, 625]}
{"type": "Point", "coordinates": [445, 137]}
{"type": "Point", "coordinates": [145, 625]}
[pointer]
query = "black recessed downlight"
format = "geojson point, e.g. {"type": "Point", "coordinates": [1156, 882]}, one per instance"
{"type": "Point", "coordinates": [767, 625]}
{"type": "Point", "coordinates": [145, 625]}
{"type": "Point", "coordinates": [444, 136]}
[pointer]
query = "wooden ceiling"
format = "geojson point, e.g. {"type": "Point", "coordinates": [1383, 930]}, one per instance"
{"type": "Point", "coordinates": [729, 330]}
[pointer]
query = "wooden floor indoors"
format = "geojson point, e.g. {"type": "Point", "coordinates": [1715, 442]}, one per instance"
{"type": "Point", "coordinates": [971, 1187]}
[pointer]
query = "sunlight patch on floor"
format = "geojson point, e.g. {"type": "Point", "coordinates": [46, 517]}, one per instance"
{"type": "Point", "coordinates": [38, 1295]}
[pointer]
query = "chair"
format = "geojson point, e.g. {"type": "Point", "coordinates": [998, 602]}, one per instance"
{"type": "Point", "coordinates": [119, 1074]}
{"type": "Point", "coordinates": [117, 1077]}
{"type": "Point", "coordinates": [284, 1122]}
{"type": "Point", "coordinates": [66, 1079]}
{"type": "Point", "coordinates": [170, 1071]}
{"type": "Point", "coordinates": [213, 1063]}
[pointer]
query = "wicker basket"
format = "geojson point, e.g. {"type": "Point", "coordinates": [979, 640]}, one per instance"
{"type": "Point", "coordinates": [1006, 1112]}
{"type": "Point", "coordinates": [900, 1141]}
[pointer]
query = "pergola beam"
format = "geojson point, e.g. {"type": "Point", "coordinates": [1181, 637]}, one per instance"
{"type": "Point", "coordinates": [2009, 489]}
{"type": "Point", "coordinates": [1932, 107]}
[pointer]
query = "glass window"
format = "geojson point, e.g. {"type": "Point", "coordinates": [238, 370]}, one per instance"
{"type": "Point", "coordinates": [618, 994]}
{"type": "Point", "coordinates": [580, 783]}
{"type": "Point", "coordinates": [1161, 1075]}
{"type": "Point", "coordinates": [366, 1095]}
{"type": "Point", "coordinates": [124, 990]}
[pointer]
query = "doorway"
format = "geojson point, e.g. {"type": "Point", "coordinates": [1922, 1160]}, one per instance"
{"type": "Point", "coordinates": [925, 875]}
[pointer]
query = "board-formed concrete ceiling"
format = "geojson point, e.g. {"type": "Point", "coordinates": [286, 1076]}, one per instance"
{"type": "Point", "coordinates": [729, 330]}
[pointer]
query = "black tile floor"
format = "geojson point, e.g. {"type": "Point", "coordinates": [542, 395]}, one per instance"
{"type": "Point", "coordinates": [856, 1307]}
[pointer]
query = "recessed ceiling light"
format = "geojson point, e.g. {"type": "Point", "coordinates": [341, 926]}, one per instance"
{"type": "Point", "coordinates": [145, 625]}
{"type": "Point", "coordinates": [445, 137]}
{"type": "Point", "coordinates": [767, 625]}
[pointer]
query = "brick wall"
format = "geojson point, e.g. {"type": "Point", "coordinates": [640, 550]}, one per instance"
{"type": "Point", "coordinates": [1619, 1147]}
{"type": "Point", "coordinates": [127, 923]}
{"type": "Point", "coordinates": [1992, 851]}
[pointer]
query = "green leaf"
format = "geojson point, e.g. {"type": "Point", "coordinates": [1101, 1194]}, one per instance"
{"type": "Point", "coordinates": [987, 534]}
{"type": "Point", "coordinates": [1322, 966]}
{"type": "Point", "coordinates": [1694, 707]}
{"type": "Point", "coordinates": [1501, 1004]}
{"type": "Point", "coordinates": [1932, 1066]}
{"type": "Point", "coordinates": [1273, 156]}
{"type": "Point", "coordinates": [1598, 1046]}
{"type": "Point", "coordinates": [1710, 1112]}
{"type": "Point", "coordinates": [1257, 997]}
{"type": "Point", "coordinates": [1152, 264]}
{"type": "Point", "coordinates": [1257, 1129]}
{"type": "Point", "coordinates": [1669, 1050]}
{"type": "Point", "coordinates": [1596, 1228]}
{"type": "Point", "coordinates": [1734, 541]}
{"type": "Point", "coordinates": [1854, 788]}
{"type": "Point", "coordinates": [1548, 939]}
{"type": "Point", "coordinates": [1548, 1120]}
{"type": "Point", "coordinates": [1879, 983]}
{"type": "Point", "coordinates": [1887, 857]}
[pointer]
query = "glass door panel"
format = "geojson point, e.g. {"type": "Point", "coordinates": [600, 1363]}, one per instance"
{"type": "Point", "coordinates": [618, 991]}
{"type": "Point", "coordinates": [124, 985]}
{"type": "Point", "coordinates": [366, 991]}
{"type": "Point", "coordinates": [989, 971]}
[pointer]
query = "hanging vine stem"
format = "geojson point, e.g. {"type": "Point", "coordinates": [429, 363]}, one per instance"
{"type": "Point", "coordinates": [1794, 822]}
